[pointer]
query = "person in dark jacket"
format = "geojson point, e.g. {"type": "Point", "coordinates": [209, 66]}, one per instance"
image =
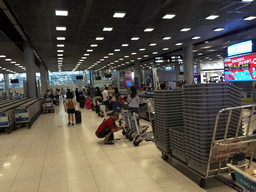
{"type": "Point", "coordinates": [115, 104]}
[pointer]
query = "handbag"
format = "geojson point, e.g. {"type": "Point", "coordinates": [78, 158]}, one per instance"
{"type": "Point", "coordinates": [113, 99]}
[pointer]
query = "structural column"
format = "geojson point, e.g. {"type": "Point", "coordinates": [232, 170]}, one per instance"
{"type": "Point", "coordinates": [6, 82]}
{"type": "Point", "coordinates": [31, 69]}
{"type": "Point", "coordinates": [177, 71]}
{"type": "Point", "coordinates": [198, 71]}
{"type": "Point", "coordinates": [137, 74]}
{"type": "Point", "coordinates": [43, 78]}
{"type": "Point", "coordinates": [188, 66]}
{"type": "Point", "coordinates": [118, 78]}
{"type": "Point", "coordinates": [47, 79]}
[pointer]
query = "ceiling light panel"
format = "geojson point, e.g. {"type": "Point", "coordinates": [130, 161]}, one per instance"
{"type": "Point", "coordinates": [13, 62]}
{"type": "Point", "coordinates": [166, 38]}
{"type": "Point", "coordinates": [142, 49]}
{"type": "Point", "coordinates": [94, 45]}
{"type": "Point", "coordinates": [154, 53]}
{"type": "Point", "coordinates": [196, 37]}
{"type": "Point", "coordinates": [111, 54]}
{"type": "Point", "coordinates": [60, 55]}
{"type": "Point", "coordinates": [126, 56]}
{"type": "Point", "coordinates": [84, 57]}
{"type": "Point", "coordinates": [125, 45]}
{"type": "Point", "coordinates": [61, 38]}
{"type": "Point", "coordinates": [61, 13]}
{"type": "Point", "coordinates": [134, 53]}
{"type": "Point", "coordinates": [60, 45]}
{"type": "Point", "coordinates": [89, 50]}
{"type": "Point", "coordinates": [86, 54]}
{"type": "Point", "coordinates": [106, 57]}
{"type": "Point", "coordinates": [178, 44]}
{"type": "Point", "coordinates": [149, 29]}
{"type": "Point", "coordinates": [60, 51]}
{"type": "Point", "coordinates": [250, 18]}
{"type": "Point", "coordinates": [152, 44]}
{"type": "Point", "coordinates": [135, 38]}
{"type": "Point", "coordinates": [212, 17]}
{"type": "Point", "coordinates": [61, 28]}
{"type": "Point", "coordinates": [219, 29]}
{"type": "Point", "coordinates": [185, 29]}
{"type": "Point", "coordinates": [107, 29]}
{"type": "Point", "coordinates": [7, 59]}
{"type": "Point", "coordinates": [117, 50]}
{"type": "Point", "coordinates": [168, 16]}
{"type": "Point", "coordinates": [2, 56]}
{"type": "Point", "coordinates": [119, 15]}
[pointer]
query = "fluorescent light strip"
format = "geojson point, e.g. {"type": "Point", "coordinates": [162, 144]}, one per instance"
{"type": "Point", "coordinates": [7, 59]}
{"type": "Point", "coordinates": [142, 49]}
{"type": "Point", "coordinates": [86, 54]}
{"type": "Point", "coordinates": [94, 45]}
{"type": "Point", "coordinates": [133, 53]}
{"type": "Point", "coordinates": [61, 38]}
{"type": "Point", "coordinates": [60, 45]}
{"type": "Point", "coordinates": [99, 38]}
{"type": "Point", "coordinates": [119, 15]}
{"type": "Point", "coordinates": [111, 54]}
{"type": "Point", "coordinates": [60, 51]}
{"type": "Point", "coordinates": [178, 44]}
{"type": "Point", "coordinates": [13, 62]}
{"type": "Point", "coordinates": [2, 56]}
{"type": "Point", "coordinates": [196, 37]}
{"type": "Point", "coordinates": [169, 16]}
{"type": "Point", "coordinates": [152, 44]}
{"type": "Point", "coordinates": [61, 28]}
{"type": "Point", "coordinates": [148, 29]}
{"type": "Point", "coordinates": [106, 57]}
{"type": "Point", "coordinates": [250, 18]}
{"type": "Point", "coordinates": [154, 53]}
{"type": "Point", "coordinates": [61, 13]}
{"type": "Point", "coordinates": [125, 45]}
{"type": "Point", "coordinates": [212, 17]}
{"type": "Point", "coordinates": [84, 57]}
{"type": "Point", "coordinates": [89, 50]}
{"type": "Point", "coordinates": [117, 50]}
{"type": "Point", "coordinates": [185, 29]}
{"type": "Point", "coordinates": [218, 29]}
{"type": "Point", "coordinates": [166, 38]}
{"type": "Point", "coordinates": [60, 55]}
{"type": "Point", "coordinates": [135, 38]}
{"type": "Point", "coordinates": [107, 29]}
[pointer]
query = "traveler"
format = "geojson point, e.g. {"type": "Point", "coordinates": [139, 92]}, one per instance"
{"type": "Point", "coordinates": [134, 101]}
{"type": "Point", "coordinates": [70, 107]}
{"type": "Point", "coordinates": [47, 94]}
{"type": "Point", "coordinates": [105, 96]}
{"type": "Point", "coordinates": [107, 128]}
{"type": "Point", "coordinates": [162, 86]}
{"type": "Point", "coordinates": [126, 100]}
{"type": "Point", "coordinates": [115, 100]}
{"type": "Point", "coordinates": [221, 80]}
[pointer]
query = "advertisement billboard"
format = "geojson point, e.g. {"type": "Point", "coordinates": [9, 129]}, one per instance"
{"type": "Point", "coordinates": [128, 79]}
{"type": "Point", "coordinates": [240, 68]}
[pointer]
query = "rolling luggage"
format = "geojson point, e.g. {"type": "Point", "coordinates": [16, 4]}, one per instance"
{"type": "Point", "coordinates": [88, 104]}
{"type": "Point", "coordinates": [78, 117]}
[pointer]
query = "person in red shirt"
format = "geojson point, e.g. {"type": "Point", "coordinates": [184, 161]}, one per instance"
{"type": "Point", "coordinates": [107, 128]}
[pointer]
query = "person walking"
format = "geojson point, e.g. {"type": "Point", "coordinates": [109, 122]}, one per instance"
{"type": "Point", "coordinates": [70, 107]}
{"type": "Point", "coordinates": [105, 96]}
{"type": "Point", "coordinates": [115, 100]}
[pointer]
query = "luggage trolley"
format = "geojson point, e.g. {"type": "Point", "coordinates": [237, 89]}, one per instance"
{"type": "Point", "coordinates": [48, 105]}
{"type": "Point", "coordinates": [143, 135]}
{"type": "Point", "coordinates": [222, 147]}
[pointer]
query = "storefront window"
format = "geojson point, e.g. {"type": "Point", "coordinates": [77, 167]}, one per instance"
{"type": "Point", "coordinates": [20, 76]}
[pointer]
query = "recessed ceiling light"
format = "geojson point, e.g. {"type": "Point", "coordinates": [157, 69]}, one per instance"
{"type": "Point", "coordinates": [20, 66]}
{"type": "Point", "coordinates": [116, 61]}
{"type": "Point", "coordinates": [60, 61]}
{"type": "Point", "coordinates": [7, 59]}
{"type": "Point", "coordinates": [250, 18]}
{"type": "Point", "coordinates": [154, 53]}
{"type": "Point", "coordinates": [166, 38]}
{"type": "Point", "coordinates": [219, 29]}
{"type": "Point", "coordinates": [89, 50]}
{"type": "Point", "coordinates": [2, 56]}
{"type": "Point", "coordinates": [142, 49]}
{"type": "Point", "coordinates": [61, 13]}
{"type": "Point", "coordinates": [107, 29]}
{"type": "Point", "coordinates": [99, 38]}
{"type": "Point", "coordinates": [196, 37]}
{"type": "Point", "coordinates": [60, 55]}
{"type": "Point", "coordinates": [61, 38]}
{"type": "Point", "coordinates": [111, 54]}
{"type": "Point", "coordinates": [13, 62]}
{"type": "Point", "coordinates": [112, 63]}
{"type": "Point", "coordinates": [135, 38]}
{"type": "Point", "coordinates": [102, 59]}
{"type": "Point", "coordinates": [126, 56]}
{"type": "Point", "coordinates": [94, 45]}
{"type": "Point", "coordinates": [185, 29]}
{"type": "Point", "coordinates": [165, 49]}
{"type": "Point", "coordinates": [178, 44]}
{"type": "Point", "coordinates": [125, 45]}
{"type": "Point", "coordinates": [86, 54]}
{"type": "Point", "coordinates": [119, 15]}
{"type": "Point", "coordinates": [168, 16]}
{"type": "Point", "coordinates": [121, 59]}
{"type": "Point", "coordinates": [122, 64]}
{"type": "Point", "coordinates": [206, 42]}
{"type": "Point", "coordinates": [152, 44]}
{"type": "Point", "coordinates": [61, 28]}
{"type": "Point", "coordinates": [134, 53]}
{"type": "Point", "coordinates": [106, 57]}
{"type": "Point", "coordinates": [81, 60]}
{"type": "Point", "coordinates": [60, 58]}
{"type": "Point", "coordinates": [212, 17]}
{"type": "Point", "coordinates": [60, 45]}
{"type": "Point", "coordinates": [17, 64]}
{"type": "Point", "coordinates": [127, 62]}
{"type": "Point", "coordinates": [145, 55]}
{"type": "Point", "coordinates": [60, 51]}
{"type": "Point", "coordinates": [200, 54]}
{"type": "Point", "coordinates": [3, 68]}
{"type": "Point", "coordinates": [117, 50]}
{"type": "Point", "coordinates": [148, 29]}
{"type": "Point", "coordinates": [247, 0]}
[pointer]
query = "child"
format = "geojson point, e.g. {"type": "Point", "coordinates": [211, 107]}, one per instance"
{"type": "Point", "coordinates": [70, 106]}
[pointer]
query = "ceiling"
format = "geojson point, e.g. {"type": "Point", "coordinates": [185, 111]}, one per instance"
{"type": "Point", "coordinates": [86, 20]}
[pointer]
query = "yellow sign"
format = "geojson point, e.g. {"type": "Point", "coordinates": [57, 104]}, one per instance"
{"type": "Point", "coordinates": [168, 60]}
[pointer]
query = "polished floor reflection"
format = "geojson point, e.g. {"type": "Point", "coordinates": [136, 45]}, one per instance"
{"type": "Point", "coordinates": [52, 156]}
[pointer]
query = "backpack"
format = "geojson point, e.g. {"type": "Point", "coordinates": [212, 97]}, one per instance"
{"type": "Point", "coordinates": [70, 104]}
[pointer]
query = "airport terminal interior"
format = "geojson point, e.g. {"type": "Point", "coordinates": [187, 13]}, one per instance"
{"type": "Point", "coordinates": [176, 78]}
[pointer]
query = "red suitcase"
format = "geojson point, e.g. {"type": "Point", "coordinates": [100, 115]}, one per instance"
{"type": "Point", "coordinates": [88, 104]}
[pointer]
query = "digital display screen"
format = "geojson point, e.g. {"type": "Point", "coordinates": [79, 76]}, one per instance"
{"type": "Point", "coordinates": [128, 79]}
{"type": "Point", "coordinates": [240, 68]}
{"type": "Point", "coordinates": [239, 48]}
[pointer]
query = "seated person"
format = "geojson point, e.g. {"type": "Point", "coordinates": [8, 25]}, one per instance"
{"type": "Point", "coordinates": [107, 128]}
{"type": "Point", "coordinates": [126, 100]}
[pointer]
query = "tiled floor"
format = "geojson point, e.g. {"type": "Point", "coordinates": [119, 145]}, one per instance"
{"type": "Point", "coordinates": [52, 156]}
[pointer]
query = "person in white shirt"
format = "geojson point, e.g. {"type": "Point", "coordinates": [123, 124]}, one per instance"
{"type": "Point", "coordinates": [134, 101]}
{"type": "Point", "coordinates": [105, 96]}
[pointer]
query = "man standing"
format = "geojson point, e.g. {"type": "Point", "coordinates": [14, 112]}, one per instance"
{"type": "Point", "coordinates": [105, 96]}
{"type": "Point", "coordinates": [107, 129]}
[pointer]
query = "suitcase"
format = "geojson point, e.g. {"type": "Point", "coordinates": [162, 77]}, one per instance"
{"type": "Point", "coordinates": [88, 104]}
{"type": "Point", "coordinates": [78, 117]}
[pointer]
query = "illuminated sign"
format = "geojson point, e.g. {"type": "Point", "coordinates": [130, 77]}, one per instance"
{"type": "Point", "coordinates": [240, 68]}
{"type": "Point", "coordinates": [240, 48]}
{"type": "Point", "coordinates": [169, 59]}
